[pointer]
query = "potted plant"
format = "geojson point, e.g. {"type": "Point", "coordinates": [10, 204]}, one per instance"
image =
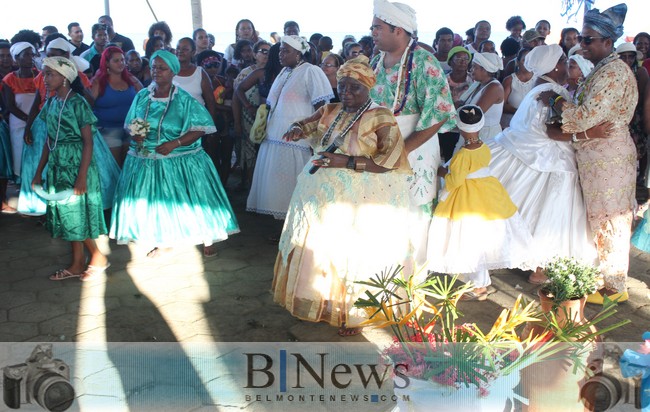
{"type": "Point", "coordinates": [438, 357]}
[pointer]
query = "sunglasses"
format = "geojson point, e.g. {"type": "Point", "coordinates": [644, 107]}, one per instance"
{"type": "Point", "coordinates": [588, 39]}
{"type": "Point", "coordinates": [328, 65]}
{"type": "Point", "coordinates": [263, 51]}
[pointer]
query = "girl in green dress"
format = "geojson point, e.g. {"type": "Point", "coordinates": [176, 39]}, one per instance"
{"type": "Point", "coordinates": [68, 151]}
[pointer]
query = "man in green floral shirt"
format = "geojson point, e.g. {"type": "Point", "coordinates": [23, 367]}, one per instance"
{"type": "Point", "coordinates": [412, 83]}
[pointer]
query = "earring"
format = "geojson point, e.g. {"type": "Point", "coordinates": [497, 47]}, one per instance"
{"type": "Point", "coordinates": [556, 69]}
{"type": "Point", "coordinates": [65, 83]}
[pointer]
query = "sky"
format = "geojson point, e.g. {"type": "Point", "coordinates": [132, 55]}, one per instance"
{"type": "Point", "coordinates": [330, 17]}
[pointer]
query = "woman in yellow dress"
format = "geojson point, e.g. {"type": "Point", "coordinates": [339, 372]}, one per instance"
{"type": "Point", "coordinates": [476, 226]}
{"type": "Point", "coordinates": [348, 220]}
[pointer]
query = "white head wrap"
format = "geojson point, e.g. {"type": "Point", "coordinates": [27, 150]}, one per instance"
{"type": "Point", "coordinates": [489, 61]}
{"type": "Point", "coordinates": [466, 127]}
{"type": "Point", "coordinates": [61, 44]}
{"type": "Point", "coordinates": [397, 14]}
{"type": "Point", "coordinates": [631, 48]}
{"type": "Point", "coordinates": [543, 59]}
{"type": "Point", "coordinates": [63, 66]}
{"type": "Point", "coordinates": [297, 43]}
{"type": "Point", "coordinates": [585, 65]}
{"type": "Point", "coordinates": [574, 49]}
{"type": "Point", "coordinates": [81, 63]}
{"type": "Point", "coordinates": [18, 48]}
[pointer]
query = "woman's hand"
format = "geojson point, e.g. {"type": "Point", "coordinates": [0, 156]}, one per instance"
{"type": "Point", "coordinates": [28, 137]}
{"type": "Point", "coordinates": [442, 171]}
{"type": "Point", "coordinates": [138, 138]}
{"type": "Point", "coordinates": [545, 97]}
{"type": "Point", "coordinates": [601, 131]}
{"type": "Point", "coordinates": [294, 134]}
{"type": "Point", "coordinates": [167, 147]}
{"type": "Point", "coordinates": [331, 160]}
{"type": "Point", "coordinates": [37, 180]}
{"type": "Point", "coordinates": [80, 186]}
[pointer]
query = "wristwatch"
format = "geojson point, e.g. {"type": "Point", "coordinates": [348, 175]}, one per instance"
{"type": "Point", "coordinates": [352, 164]}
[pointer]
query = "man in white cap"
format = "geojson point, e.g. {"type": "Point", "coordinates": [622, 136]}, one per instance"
{"type": "Point", "coordinates": [411, 82]}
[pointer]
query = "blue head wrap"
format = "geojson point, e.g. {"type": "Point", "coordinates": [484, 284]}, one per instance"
{"type": "Point", "coordinates": [169, 58]}
{"type": "Point", "coordinates": [608, 23]}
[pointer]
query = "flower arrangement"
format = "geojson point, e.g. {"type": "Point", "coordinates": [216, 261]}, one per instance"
{"type": "Point", "coordinates": [139, 127]}
{"type": "Point", "coordinates": [568, 279]}
{"type": "Point", "coordinates": [432, 344]}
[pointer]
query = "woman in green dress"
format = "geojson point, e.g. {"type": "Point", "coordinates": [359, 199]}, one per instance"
{"type": "Point", "coordinates": [74, 210]}
{"type": "Point", "coordinates": [169, 192]}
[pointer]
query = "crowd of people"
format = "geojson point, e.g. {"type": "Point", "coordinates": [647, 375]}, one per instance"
{"type": "Point", "coordinates": [449, 157]}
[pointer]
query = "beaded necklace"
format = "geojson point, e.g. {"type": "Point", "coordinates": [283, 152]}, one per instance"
{"type": "Point", "coordinates": [146, 113]}
{"type": "Point", "coordinates": [580, 92]}
{"type": "Point", "coordinates": [348, 127]}
{"type": "Point", "coordinates": [403, 76]}
{"type": "Point", "coordinates": [58, 127]}
{"type": "Point", "coordinates": [472, 141]}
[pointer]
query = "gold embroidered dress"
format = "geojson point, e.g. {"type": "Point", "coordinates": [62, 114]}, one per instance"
{"type": "Point", "coordinates": [342, 225]}
{"type": "Point", "coordinates": [607, 167]}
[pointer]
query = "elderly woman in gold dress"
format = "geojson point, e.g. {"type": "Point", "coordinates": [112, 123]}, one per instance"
{"type": "Point", "coordinates": [607, 166]}
{"type": "Point", "coordinates": [347, 220]}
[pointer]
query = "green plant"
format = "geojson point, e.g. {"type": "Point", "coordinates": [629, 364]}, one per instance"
{"type": "Point", "coordinates": [568, 279]}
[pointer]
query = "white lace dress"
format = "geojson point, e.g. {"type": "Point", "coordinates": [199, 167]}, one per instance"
{"type": "Point", "coordinates": [292, 98]}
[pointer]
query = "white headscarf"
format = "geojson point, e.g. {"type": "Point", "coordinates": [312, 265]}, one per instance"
{"type": "Point", "coordinates": [466, 127]}
{"type": "Point", "coordinates": [18, 48]}
{"type": "Point", "coordinates": [543, 59]}
{"type": "Point", "coordinates": [585, 65]}
{"type": "Point", "coordinates": [489, 61]}
{"type": "Point", "coordinates": [297, 43]}
{"type": "Point", "coordinates": [63, 66]}
{"type": "Point", "coordinates": [574, 49]}
{"type": "Point", "coordinates": [61, 44]}
{"type": "Point", "coordinates": [397, 14]}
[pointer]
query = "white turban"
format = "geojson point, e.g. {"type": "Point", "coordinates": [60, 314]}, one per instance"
{"type": "Point", "coordinates": [63, 66]}
{"type": "Point", "coordinates": [543, 59]}
{"type": "Point", "coordinates": [297, 43]}
{"type": "Point", "coordinates": [18, 48]}
{"type": "Point", "coordinates": [585, 65]}
{"type": "Point", "coordinates": [574, 49]}
{"type": "Point", "coordinates": [61, 44]}
{"type": "Point", "coordinates": [467, 127]}
{"type": "Point", "coordinates": [82, 64]}
{"type": "Point", "coordinates": [397, 14]}
{"type": "Point", "coordinates": [489, 61]}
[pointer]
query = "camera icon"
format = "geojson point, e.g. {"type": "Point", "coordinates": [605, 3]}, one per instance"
{"type": "Point", "coordinates": [41, 379]}
{"type": "Point", "coordinates": [608, 388]}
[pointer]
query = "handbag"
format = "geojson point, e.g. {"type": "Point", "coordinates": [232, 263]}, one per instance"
{"type": "Point", "coordinates": [258, 130]}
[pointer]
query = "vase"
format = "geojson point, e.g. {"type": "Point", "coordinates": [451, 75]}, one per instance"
{"type": "Point", "coordinates": [425, 396]}
{"type": "Point", "coordinates": [572, 309]}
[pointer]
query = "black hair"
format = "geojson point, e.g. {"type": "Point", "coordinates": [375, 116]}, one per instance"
{"type": "Point", "coordinates": [638, 36]}
{"type": "Point", "coordinates": [480, 46]}
{"type": "Point", "coordinates": [73, 24]}
{"type": "Point", "coordinates": [273, 66]}
{"type": "Point", "coordinates": [339, 59]}
{"type": "Point", "coordinates": [50, 29]}
{"type": "Point", "coordinates": [366, 40]}
{"type": "Point", "coordinates": [520, 54]}
{"type": "Point", "coordinates": [470, 33]}
{"type": "Point", "coordinates": [510, 47]}
{"type": "Point", "coordinates": [543, 21]}
{"type": "Point", "coordinates": [444, 32]}
{"type": "Point", "coordinates": [106, 17]}
{"type": "Point", "coordinates": [77, 86]}
{"type": "Point", "coordinates": [239, 46]}
{"type": "Point", "coordinates": [208, 53]}
{"type": "Point", "coordinates": [197, 31]}
{"type": "Point", "coordinates": [29, 36]}
{"type": "Point", "coordinates": [130, 52]}
{"type": "Point", "coordinates": [314, 38]}
{"type": "Point", "coordinates": [468, 117]}
{"type": "Point", "coordinates": [513, 21]}
{"type": "Point", "coordinates": [5, 44]}
{"type": "Point", "coordinates": [163, 27]}
{"type": "Point", "coordinates": [189, 40]}
{"type": "Point", "coordinates": [291, 23]}
{"type": "Point", "coordinates": [348, 46]}
{"type": "Point", "coordinates": [97, 27]}
{"type": "Point", "coordinates": [481, 21]}
{"type": "Point", "coordinates": [232, 70]}
{"type": "Point", "coordinates": [259, 44]}
{"type": "Point", "coordinates": [148, 50]}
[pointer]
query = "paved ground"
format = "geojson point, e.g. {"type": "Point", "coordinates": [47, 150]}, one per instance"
{"type": "Point", "coordinates": [184, 297]}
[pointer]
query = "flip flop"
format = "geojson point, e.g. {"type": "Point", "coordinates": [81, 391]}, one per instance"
{"type": "Point", "coordinates": [471, 295]}
{"type": "Point", "coordinates": [63, 274]}
{"type": "Point", "coordinates": [93, 271]}
{"type": "Point", "coordinates": [209, 251]}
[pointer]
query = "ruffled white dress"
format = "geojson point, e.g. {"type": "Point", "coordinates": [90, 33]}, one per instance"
{"type": "Point", "coordinates": [541, 176]}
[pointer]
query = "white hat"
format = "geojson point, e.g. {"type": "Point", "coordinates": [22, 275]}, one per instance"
{"type": "Point", "coordinates": [19, 47]}
{"type": "Point", "coordinates": [61, 44]}
{"type": "Point", "coordinates": [396, 14]}
{"type": "Point", "coordinates": [543, 59]}
{"type": "Point", "coordinates": [491, 62]}
{"type": "Point", "coordinates": [629, 47]}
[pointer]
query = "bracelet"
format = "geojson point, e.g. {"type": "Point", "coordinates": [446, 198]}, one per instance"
{"type": "Point", "coordinates": [352, 164]}
{"type": "Point", "coordinates": [574, 138]}
{"type": "Point", "coordinates": [179, 142]}
{"type": "Point", "coordinates": [586, 137]}
{"type": "Point", "coordinates": [557, 99]}
{"type": "Point", "coordinates": [360, 165]}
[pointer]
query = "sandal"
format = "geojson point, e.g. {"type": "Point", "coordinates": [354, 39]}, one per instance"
{"type": "Point", "coordinates": [209, 251]}
{"type": "Point", "coordinates": [63, 274]}
{"type": "Point", "coordinates": [93, 271]}
{"type": "Point", "coordinates": [477, 296]}
{"type": "Point", "coordinates": [347, 332]}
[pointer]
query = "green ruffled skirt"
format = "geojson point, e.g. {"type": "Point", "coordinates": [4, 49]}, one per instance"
{"type": "Point", "coordinates": [167, 201]}
{"type": "Point", "coordinates": [79, 217]}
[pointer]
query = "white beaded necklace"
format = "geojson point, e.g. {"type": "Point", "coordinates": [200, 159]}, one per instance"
{"type": "Point", "coordinates": [58, 127]}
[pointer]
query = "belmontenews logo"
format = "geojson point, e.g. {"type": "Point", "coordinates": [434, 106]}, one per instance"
{"type": "Point", "coordinates": [40, 378]}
